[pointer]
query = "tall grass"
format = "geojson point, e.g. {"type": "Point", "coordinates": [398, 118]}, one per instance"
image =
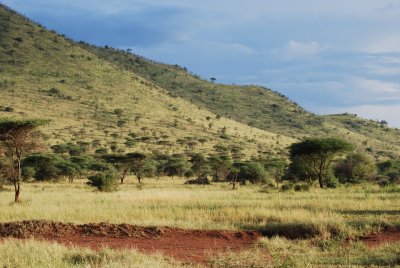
{"type": "Point", "coordinates": [30, 253]}
{"type": "Point", "coordinates": [164, 202]}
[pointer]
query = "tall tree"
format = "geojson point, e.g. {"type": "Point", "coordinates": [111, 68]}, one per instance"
{"type": "Point", "coordinates": [318, 153]}
{"type": "Point", "coordinates": [19, 137]}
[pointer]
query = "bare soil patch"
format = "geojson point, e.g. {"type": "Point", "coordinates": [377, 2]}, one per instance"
{"type": "Point", "coordinates": [375, 240]}
{"type": "Point", "coordinates": [193, 246]}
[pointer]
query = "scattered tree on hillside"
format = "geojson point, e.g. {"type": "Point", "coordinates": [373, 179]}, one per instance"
{"type": "Point", "coordinates": [17, 138]}
{"type": "Point", "coordinates": [317, 154]}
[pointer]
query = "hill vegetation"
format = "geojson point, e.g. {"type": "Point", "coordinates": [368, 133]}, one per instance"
{"type": "Point", "coordinates": [97, 104]}
{"type": "Point", "coordinates": [255, 105]}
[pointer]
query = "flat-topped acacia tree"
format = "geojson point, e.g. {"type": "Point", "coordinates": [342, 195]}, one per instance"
{"type": "Point", "coordinates": [17, 138]}
{"type": "Point", "coordinates": [318, 153]}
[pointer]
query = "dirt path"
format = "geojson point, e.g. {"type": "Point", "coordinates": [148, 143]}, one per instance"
{"type": "Point", "coordinates": [194, 246]}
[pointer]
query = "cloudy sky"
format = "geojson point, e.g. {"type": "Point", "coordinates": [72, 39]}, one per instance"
{"type": "Point", "coordinates": [330, 56]}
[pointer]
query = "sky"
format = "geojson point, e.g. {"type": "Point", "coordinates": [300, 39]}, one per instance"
{"type": "Point", "coordinates": [330, 56]}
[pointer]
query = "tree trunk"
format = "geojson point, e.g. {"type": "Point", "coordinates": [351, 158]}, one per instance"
{"type": "Point", "coordinates": [321, 185]}
{"type": "Point", "coordinates": [139, 178]}
{"type": "Point", "coordinates": [17, 191]}
{"type": "Point", "coordinates": [234, 183]}
{"type": "Point", "coordinates": [17, 180]}
{"type": "Point", "coordinates": [123, 175]}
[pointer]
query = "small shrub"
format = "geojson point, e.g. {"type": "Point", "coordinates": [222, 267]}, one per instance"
{"type": "Point", "coordinates": [199, 181]}
{"type": "Point", "coordinates": [301, 187]}
{"type": "Point", "coordinates": [104, 181]}
{"type": "Point", "coordinates": [286, 187]}
{"type": "Point", "coordinates": [8, 109]}
{"type": "Point", "coordinates": [54, 92]}
{"type": "Point", "coordinates": [332, 183]}
{"type": "Point", "coordinates": [101, 151]}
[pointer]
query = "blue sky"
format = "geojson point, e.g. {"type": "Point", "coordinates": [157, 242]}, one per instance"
{"type": "Point", "coordinates": [330, 56]}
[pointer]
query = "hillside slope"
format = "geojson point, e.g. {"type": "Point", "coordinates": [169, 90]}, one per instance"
{"type": "Point", "coordinates": [257, 106]}
{"type": "Point", "coordinates": [104, 97]}
{"type": "Point", "coordinates": [94, 102]}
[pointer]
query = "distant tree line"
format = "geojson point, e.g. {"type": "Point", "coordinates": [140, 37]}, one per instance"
{"type": "Point", "coordinates": [324, 161]}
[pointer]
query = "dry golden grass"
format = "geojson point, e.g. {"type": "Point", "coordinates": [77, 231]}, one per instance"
{"type": "Point", "coordinates": [165, 202]}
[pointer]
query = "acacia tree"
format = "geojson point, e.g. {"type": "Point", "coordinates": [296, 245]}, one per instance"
{"type": "Point", "coordinates": [318, 153]}
{"type": "Point", "coordinates": [139, 169]}
{"type": "Point", "coordinates": [18, 137]}
{"type": "Point", "coordinates": [200, 166]}
{"type": "Point", "coordinates": [121, 162]}
{"type": "Point", "coordinates": [220, 165]}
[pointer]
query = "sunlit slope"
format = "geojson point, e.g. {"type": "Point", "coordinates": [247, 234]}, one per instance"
{"type": "Point", "coordinates": [256, 106]}
{"type": "Point", "coordinates": [113, 98]}
{"type": "Point", "coordinates": [44, 75]}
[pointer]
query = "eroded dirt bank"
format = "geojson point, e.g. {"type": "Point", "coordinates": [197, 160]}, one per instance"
{"type": "Point", "coordinates": [183, 245]}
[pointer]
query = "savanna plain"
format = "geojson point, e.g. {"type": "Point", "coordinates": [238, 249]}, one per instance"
{"type": "Point", "coordinates": [299, 229]}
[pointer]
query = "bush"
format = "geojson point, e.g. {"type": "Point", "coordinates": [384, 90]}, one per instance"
{"type": "Point", "coordinates": [8, 109]}
{"type": "Point", "coordinates": [301, 187]}
{"type": "Point", "coordinates": [355, 168]}
{"type": "Point", "coordinates": [253, 172]}
{"type": "Point", "coordinates": [287, 187]}
{"type": "Point", "coordinates": [332, 183]}
{"type": "Point", "coordinates": [101, 151]}
{"type": "Point", "coordinates": [28, 173]}
{"type": "Point", "coordinates": [199, 181]}
{"type": "Point", "coordinates": [104, 181]}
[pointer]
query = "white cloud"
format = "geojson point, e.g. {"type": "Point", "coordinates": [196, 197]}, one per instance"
{"type": "Point", "coordinates": [297, 50]}
{"type": "Point", "coordinates": [233, 47]}
{"type": "Point", "coordinates": [383, 70]}
{"type": "Point", "coordinates": [370, 86]}
{"type": "Point", "coordinates": [383, 44]}
{"type": "Point", "coordinates": [375, 112]}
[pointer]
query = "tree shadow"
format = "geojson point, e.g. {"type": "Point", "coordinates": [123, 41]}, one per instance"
{"type": "Point", "coordinates": [287, 230]}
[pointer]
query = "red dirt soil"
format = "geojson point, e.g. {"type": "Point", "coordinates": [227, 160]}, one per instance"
{"type": "Point", "coordinates": [375, 240]}
{"type": "Point", "coordinates": [189, 246]}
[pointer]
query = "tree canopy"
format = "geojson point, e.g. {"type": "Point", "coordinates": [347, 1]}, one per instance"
{"type": "Point", "coordinates": [318, 153]}
{"type": "Point", "coordinates": [17, 137]}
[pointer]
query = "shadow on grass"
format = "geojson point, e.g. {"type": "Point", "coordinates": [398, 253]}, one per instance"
{"type": "Point", "coordinates": [374, 225]}
{"type": "Point", "coordinates": [370, 212]}
{"type": "Point", "coordinates": [287, 230]}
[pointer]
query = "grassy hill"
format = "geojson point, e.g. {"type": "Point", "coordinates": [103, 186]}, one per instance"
{"type": "Point", "coordinates": [95, 102]}
{"type": "Point", "coordinates": [104, 97]}
{"type": "Point", "coordinates": [256, 106]}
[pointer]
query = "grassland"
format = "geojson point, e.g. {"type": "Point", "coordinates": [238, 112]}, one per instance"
{"type": "Point", "coordinates": [323, 219]}
{"type": "Point", "coordinates": [81, 88]}
{"type": "Point", "coordinates": [165, 202]}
